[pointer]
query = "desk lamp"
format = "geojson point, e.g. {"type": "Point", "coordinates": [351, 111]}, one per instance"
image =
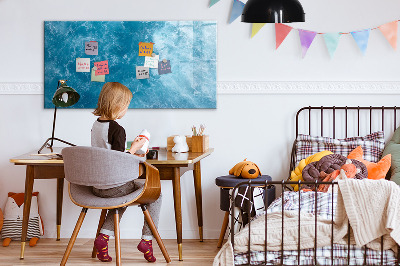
{"type": "Point", "coordinates": [273, 11]}
{"type": "Point", "coordinates": [63, 97]}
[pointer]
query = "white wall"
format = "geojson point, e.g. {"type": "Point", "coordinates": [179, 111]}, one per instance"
{"type": "Point", "coordinates": [257, 127]}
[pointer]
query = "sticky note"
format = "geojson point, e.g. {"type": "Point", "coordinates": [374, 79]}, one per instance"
{"type": "Point", "coordinates": [83, 65]}
{"type": "Point", "coordinates": [151, 61]}
{"type": "Point", "coordinates": [91, 48]}
{"type": "Point", "coordinates": [142, 72]}
{"type": "Point", "coordinates": [98, 78]}
{"type": "Point", "coordinates": [145, 48]}
{"type": "Point", "coordinates": [164, 67]}
{"type": "Point", "coordinates": [102, 68]}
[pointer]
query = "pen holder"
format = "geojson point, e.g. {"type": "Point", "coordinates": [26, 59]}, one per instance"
{"type": "Point", "coordinates": [200, 143]}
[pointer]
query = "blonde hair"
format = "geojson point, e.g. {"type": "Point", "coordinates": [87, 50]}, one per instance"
{"type": "Point", "coordinates": [112, 99]}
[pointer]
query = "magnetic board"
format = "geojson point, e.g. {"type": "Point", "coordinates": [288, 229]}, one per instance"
{"type": "Point", "coordinates": [189, 47]}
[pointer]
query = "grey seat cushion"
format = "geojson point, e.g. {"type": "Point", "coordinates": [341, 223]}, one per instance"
{"type": "Point", "coordinates": [83, 196]}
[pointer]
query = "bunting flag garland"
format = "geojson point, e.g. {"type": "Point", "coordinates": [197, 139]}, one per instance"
{"type": "Point", "coordinates": [213, 2]}
{"type": "Point", "coordinates": [389, 30]}
{"type": "Point", "coordinates": [281, 31]}
{"type": "Point", "coordinates": [361, 38]}
{"type": "Point", "coordinates": [256, 28]}
{"type": "Point", "coordinates": [306, 39]}
{"type": "Point", "coordinates": [332, 41]}
{"type": "Point", "coordinates": [237, 8]}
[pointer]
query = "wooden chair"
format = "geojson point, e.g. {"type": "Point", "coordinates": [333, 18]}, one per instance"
{"type": "Point", "coordinates": [85, 167]}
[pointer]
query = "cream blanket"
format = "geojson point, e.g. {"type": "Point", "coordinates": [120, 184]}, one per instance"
{"type": "Point", "coordinates": [371, 206]}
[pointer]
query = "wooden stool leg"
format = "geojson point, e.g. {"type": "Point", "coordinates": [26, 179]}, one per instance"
{"type": "Point", "coordinates": [156, 235]}
{"type": "Point", "coordinates": [223, 229]}
{"type": "Point", "coordinates": [101, 222]}
{"type": "Point", "coordinates": [117, 239]}
{"type": "Point", "coordinates": [73, 237]}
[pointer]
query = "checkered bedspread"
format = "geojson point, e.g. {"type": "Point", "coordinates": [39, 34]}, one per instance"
{"type": "Point", "coordinates": [321, 205]}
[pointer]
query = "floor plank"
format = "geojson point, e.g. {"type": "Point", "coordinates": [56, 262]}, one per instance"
{"type": "Point", "coordinates": [49, 252]}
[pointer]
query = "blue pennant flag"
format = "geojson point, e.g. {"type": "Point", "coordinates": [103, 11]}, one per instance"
{"type": "Point", "coordinates": [361, 38]}
{"type": "Point", "coordinates": [237, 9]}
{"type": "Point", "coordinates": [332, 41]}
{"type": "Point", "coordinates": [213, 2]}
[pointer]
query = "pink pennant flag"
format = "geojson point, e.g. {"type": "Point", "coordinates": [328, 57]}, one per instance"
{"type": "Point", "coordinates": [389, 30]}
{"type": "Point", "coordinates": [281, 31]}
{"type": "Point", "coordinates": [306, 39]}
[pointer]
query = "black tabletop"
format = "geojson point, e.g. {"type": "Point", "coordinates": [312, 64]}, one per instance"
{"type": "Point", "coordinates": [230, 181]}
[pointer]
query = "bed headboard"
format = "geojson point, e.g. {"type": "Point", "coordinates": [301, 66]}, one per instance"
{"type": "Point", "coordinates": [344, 121]}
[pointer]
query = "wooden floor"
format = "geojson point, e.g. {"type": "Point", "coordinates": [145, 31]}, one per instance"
{"type": "Point", "coordinates": [50, 252]}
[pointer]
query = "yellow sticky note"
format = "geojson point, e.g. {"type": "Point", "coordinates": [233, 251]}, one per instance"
{"type": "Point", "coordinates": [145, 48]}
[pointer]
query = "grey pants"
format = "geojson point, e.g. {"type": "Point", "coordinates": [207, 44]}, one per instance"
{"type": "Point", "coordinates": [153, 208]}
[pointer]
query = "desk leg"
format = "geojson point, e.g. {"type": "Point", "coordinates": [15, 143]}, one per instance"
{"type": "Point", "coordinates": [199, 204]}
{"type": "Point", "coordinates": [176, 182]}
{"type": "Point", "coordinates": [60, 190]}
{"type": "Point", "coordinates": [27, 206]}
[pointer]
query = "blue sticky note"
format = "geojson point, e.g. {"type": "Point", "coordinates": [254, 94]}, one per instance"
{"type": "Point", "coordinates": [164, 67]}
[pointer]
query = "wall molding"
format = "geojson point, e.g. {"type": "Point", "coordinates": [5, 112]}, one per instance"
{"type": "Point", "coordinates": [259, 87]}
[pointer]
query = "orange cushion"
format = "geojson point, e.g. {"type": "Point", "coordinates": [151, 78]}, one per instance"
{"type": "Point", "coordinates": [375, 170]}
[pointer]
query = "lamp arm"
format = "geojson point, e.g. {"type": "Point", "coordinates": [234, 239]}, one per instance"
{"type": "Point", "coordinates": [54, 126]}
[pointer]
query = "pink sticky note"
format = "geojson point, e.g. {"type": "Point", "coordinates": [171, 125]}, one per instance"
{"type": "Point", "coordinates": [102, 68]}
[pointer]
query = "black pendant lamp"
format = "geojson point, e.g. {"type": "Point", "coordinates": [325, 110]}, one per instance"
{"type": "Point", "coordinates": [273, 11]}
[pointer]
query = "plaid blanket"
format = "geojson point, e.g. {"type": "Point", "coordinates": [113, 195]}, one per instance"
{"type": "Point", "coordinates": [322, 204]}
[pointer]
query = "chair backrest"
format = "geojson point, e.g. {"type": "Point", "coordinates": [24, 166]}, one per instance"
{"type": "Point", "coordinates": [92, 166]}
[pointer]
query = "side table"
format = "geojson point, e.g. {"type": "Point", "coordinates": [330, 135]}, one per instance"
{"type": "Point", "coordinates": [228, 182]}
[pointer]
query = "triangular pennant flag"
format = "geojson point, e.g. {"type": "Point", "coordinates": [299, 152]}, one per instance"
{"type": "Point", "coordinates": [306, 39]}
{"type": "Point", "coordinates": [213, 2]}
{"type": "Point", "coordinates": [237, 9]}
{"type": "Point", "coordinates": [390, 32]}
{"type": "Point", "coordinates": [361, 37]}
{"type": "Point", "coordinates": [256, 28]}
{"type": "Point", "coordinates": [281, 31]}
{"type": "Point", "coordinates": [332, 41]}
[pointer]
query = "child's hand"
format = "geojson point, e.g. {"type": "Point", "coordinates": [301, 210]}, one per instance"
{"type": "Point", "coordinates": [137, 144]}
{"type": "Point", "coordinates": [142, 155]}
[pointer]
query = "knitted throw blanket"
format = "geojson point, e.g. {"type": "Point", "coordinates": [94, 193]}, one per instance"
{"type": "Point", "coordinates": [373, 209]}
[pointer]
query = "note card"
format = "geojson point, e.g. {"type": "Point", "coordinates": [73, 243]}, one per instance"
{"type": "Point", "coordinates": [142, 72]}
{"type": "Point", "coordinates": [164, 67]}
{"type": "Point", "coordinates": [102, 68]}
{"type": "Point", "coordinates": [151, 61]}
{"type": "Point", "coordinates": [145, 48]}
{"type": "Point", "coordinates": [91, 48]}
{"type": "Point", "coordinates": [83, 65]}
{"type": "Point", "coordinates": [98, 78]}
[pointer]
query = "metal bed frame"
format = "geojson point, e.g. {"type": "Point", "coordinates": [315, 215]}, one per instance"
{"type": "Point", "coordinates": [283, 184]}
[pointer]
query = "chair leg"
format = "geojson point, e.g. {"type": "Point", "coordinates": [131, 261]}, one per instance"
{"type": "Point", "coordinates": [101, 222]}
{"type": "Point", "coordinates": [154, 230]}
{"type": "Point", "coordinates": [117, 238]}
{"type": "Point", "coordinates": [223, 229]}
{"type": "Point", "coordinates": [73, 237]}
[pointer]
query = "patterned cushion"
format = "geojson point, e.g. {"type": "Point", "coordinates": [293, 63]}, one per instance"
{"type": "Point", "coordinates": [372, 144]}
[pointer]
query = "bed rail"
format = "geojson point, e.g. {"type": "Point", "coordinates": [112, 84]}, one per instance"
{"type": "Point", "coordinates": [265, 185]}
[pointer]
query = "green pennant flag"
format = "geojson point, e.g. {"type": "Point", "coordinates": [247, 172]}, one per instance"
{"type": "Point", "coordinates": [213, 2]}
{"type": "Point", "coordinates": [332, 41]}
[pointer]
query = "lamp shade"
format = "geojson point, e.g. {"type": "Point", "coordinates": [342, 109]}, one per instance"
{"type": "Point", "coordinates": [273, 11]}
{"type": "Point", "coordinates": [65, 96]}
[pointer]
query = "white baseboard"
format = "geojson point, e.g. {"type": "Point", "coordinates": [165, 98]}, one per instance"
{"type": "Point", "coordinates": [259, 87]}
